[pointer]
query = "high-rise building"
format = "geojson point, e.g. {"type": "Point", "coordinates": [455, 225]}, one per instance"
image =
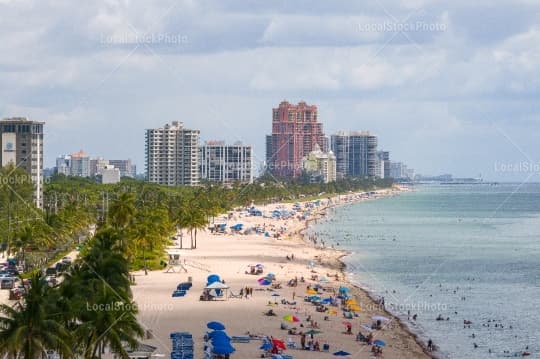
{"type": "Point", "coordinates": [80, 164]}
{"type": "Point", "coordinates": [22, 145]}
{"type": "Point", "coordinates": [226, 163]}
{"type": "Point", "coordinates": [384, 164]}
{"type": "Point", "coordinates": [63, 165]}
{"type": "Point", "coordinates": [172, 155]}
{"type": "Point", "coordinates": [127, 169]}
{"type": "Point", "coordinates": [97, 165]}
{"type": "Point", "coordinates": [356, 154]}
{"type": "Point", "coordinates": [399, 170]}
{"type": "Point", "coordinates": [295, 132]}
{"type": "Point", "coordinates": [109, 175]}
{"type": "Point", "coordinates": [320, 166]}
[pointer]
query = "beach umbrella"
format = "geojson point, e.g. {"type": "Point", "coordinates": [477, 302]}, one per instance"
{"type": "Point", "coordinates": [313, 332]}
{"type": "Point", "coordinates": [311, 291]}
{"type": "Point", "coordinates": [355, 308]}
{"type": "Point", "coordinates": [275, 294]}
{"type": "Point", "coordinates": [323, 280]}
{"type": "Point", "coordinates": [381, 318]}
{"type": "Point", "coordinates": [223, 349]}
{"type": "Point", "coordinates": [215, 326]}
{"type": "Point", "coordinates": [279, 344]}
{"type": "Point", "coordinates": [331, 312]}
{"type": "Point", "coordinates": [341, 353]}
{"type": "Point", "coordinates": [379, 343]}
{"type": "Point", "coordinates": [311, 264]}
{"type": "Point", "coordinates": [259, 265]}
{"type": "Point", "coordinates": [291, 318]}
{"type": "Point", "coordinates": [218, 334]}
{"type": "Point", "coordinates": [219, 342]}
{"type": "Point", "coordinates": [271, 276]}
{"type": "Point", "coordinates": [266, 346]}
{"type": "Point", "coordinates": [344, 289]}
{"type": "Point", "coordinates": [264, 281]}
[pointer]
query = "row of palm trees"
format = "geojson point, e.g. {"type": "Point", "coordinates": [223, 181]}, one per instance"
{"type": "Point", "coordinates": [91, 310]}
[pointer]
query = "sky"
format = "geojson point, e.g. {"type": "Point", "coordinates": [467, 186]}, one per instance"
{"type": "Point", "coordinates": [448, 87]}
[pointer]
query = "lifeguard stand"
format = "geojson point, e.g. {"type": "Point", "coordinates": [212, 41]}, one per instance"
{"type": "Point", "coordinates": [175, 265]}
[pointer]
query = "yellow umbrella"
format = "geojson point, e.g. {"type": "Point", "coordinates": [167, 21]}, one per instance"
{"type": "Point", "coordinates": [351, 302]}
{"type": "Point", "coordinates": [355, 308]}
{"type": "Point", "coordinates": [311, 291]}
{"type": "Point", "coordinates": [331, 312]}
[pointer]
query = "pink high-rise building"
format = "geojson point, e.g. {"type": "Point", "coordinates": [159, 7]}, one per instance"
{"type": "Point", "coordinates": [295, 132]}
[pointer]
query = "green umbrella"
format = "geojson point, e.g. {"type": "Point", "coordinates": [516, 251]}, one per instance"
{"type": "Point", "coordinates": [313, 332]}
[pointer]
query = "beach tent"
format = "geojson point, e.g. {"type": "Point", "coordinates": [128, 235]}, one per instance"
{"type": "Point", "coordinates": [218, 287]}
{"type": "Point", "coordinates": [237, 227]}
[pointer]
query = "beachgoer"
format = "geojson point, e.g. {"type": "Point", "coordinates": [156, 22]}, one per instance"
{"type": "Point", "coordinates": [430, 345]}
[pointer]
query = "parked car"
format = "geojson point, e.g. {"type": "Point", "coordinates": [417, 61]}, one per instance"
{"type": "Point", "coordinates": [51, 271]}
{"type": "Point", "coordinates": [7, 283]}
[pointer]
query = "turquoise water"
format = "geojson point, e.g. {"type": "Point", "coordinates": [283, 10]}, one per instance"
{"type": "Point", "coordinates": [474, 250]}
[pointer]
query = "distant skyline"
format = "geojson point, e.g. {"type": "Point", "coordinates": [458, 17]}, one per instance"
{"type": "Point", "coordinates": [447, 88]}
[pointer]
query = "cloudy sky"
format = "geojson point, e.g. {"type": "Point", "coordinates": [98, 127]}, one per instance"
{"type": "Point", "coordinates": [447, 87]}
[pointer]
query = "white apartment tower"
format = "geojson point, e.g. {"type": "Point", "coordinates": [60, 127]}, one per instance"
{"type": "Point", "coordinates": [172, 155]}
{"type": "Point", "coordinates": [22, 145]}
{"type": "Point", "coordinates": [226, 163]}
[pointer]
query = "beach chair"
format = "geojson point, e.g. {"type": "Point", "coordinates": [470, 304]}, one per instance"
{"type": "Point", "coordinates": [240, 339]}
{"type": "Point", "coordinates": [234, 295]}
{"type": "Point", "coordinates": [291, 344]}
{"type": "Point", "coordinates": [178, 293]}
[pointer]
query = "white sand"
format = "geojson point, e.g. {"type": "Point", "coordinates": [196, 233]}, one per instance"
{"type": "Point", "coordinates": [229, 256]}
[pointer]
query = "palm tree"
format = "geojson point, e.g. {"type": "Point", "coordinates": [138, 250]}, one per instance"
{"type": "Point", "coordinates": [31, 330]}
{"type": "Point", "coordinates": [97, 295]}
{"type": "Point", "coordinates": [122, 213]}
{"type": "Point", "coordinates": [197, 219]}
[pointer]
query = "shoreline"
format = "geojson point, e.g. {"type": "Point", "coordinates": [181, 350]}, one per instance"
{"type": "Point", "coordinates": [277, 243]}
{"type": "Point", "coordinates": [341, 254]}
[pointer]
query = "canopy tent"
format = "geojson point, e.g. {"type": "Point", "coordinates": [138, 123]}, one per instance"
{"type": "Point", "coordinates": [217, 287]}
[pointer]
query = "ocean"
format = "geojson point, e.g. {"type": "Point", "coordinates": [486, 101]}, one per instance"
{"type": "Point", "coordinates": [458, 252]}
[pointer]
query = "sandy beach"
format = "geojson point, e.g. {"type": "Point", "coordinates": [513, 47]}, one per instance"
{"type": "Point", "coordinates": [230, 256]}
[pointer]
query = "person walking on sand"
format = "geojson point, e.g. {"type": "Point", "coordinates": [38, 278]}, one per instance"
{"type": "Point", "coordinates": [293, 295]}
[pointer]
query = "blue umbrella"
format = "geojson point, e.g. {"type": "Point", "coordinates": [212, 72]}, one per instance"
{"type": "Point", "coordinates": [379, 343]}
{"type": "Point", "coordinates": [215, 326]}
{"type": "Point", "coordinates": [266, 346]}
{"type": "Point", "coordinates": [223, 349]}
{"type": "Point", "coordinates": [341, 353]}
{"type": "Point", "coordinates": [220, 342]}
{"type": "Point", "coordinates": [218, 334]}
{"type": "Point", "coordinates": [275, 295]}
